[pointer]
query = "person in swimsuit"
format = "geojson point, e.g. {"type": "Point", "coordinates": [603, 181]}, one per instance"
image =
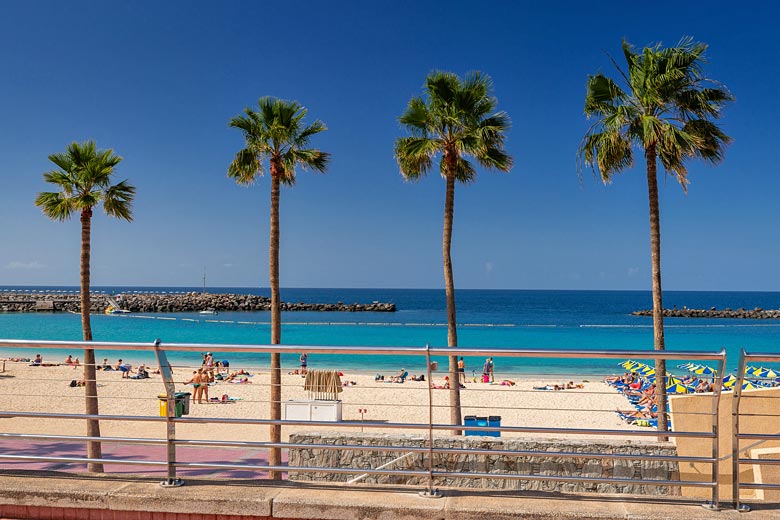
{"type": "Point", "coordinates": [304, 359]}
{"type": "Point", "coordinates": [196, 386]}
{"type": "Point", "coordinates": [461, 371]}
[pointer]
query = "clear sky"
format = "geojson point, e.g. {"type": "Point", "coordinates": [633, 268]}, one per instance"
{"type": "Point", "coordinates": [159, 81]}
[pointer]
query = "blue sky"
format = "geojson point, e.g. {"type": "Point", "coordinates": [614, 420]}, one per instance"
{"type": "Point", "coordinates": [158, 82]}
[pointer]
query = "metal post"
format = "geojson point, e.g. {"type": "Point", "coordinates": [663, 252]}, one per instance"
{"type": "Point", "coordinates": [170, 393]}
{"type": "Point", "coordinates": [735, 432]}
{"type": "Point", "coordinates": [430, 492]}
{"type": "Point", "coordinates": [716, 392]}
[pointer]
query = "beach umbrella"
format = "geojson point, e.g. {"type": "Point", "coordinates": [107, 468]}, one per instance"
{"type": "Point", "coordinates": [704, 371]}
{"type": "Point", "coordinates": [685, 366]}
{"type": "Point", "coordinates": [628, 364]}
{"type": "Point", "coordinates": [750, 369]}
{"type": "Point", "coordinates": [747, 385]}
{"type": "Point", "coordinates": [676, 388]}
{"type": "Point", "coordinates": [767, 373]}
{"type": "Point", "coordinates": [729, 381]}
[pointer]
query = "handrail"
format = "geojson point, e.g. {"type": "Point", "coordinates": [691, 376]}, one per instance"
{"type": "Point", "coordinates": [737, 435]}
{"type": "Point", "coordinates": [428, 447]}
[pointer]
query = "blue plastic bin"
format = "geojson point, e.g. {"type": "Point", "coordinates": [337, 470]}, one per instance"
{"type": "Point", "coordinates": [473, 420]}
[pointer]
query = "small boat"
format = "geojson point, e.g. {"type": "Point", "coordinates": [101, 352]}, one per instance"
{"type": "Point", "coordinates": [208, 311]}
{"type": "Point", "coordinates": [110, 310]}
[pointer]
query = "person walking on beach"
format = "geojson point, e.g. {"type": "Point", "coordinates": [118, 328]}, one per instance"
{"type": "Point", "coordinates": [486, 371]}
{"type": "Point", "coordinates": [490, 370]}
{"type": "Point", "coordinates": [461, 371]}
{"type": "Point", "coordinates": [304, 359]}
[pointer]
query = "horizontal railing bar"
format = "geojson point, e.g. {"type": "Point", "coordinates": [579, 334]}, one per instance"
{"type": "Point", "coordinates": [758, 436]}
{"type": "Point", "coordinates": [456, 451]}
{"type": "Point", "coordinates": [759, 462]}
{"type": "Point", "coordinates": [359, 447]}
{"type": "Point", "coordinates": [304, 469]}
{"type": "Point", "coordinates": [81, 438]}
{"type": "Point", "coordinates": [83, 460]}
{"type": "Point", "coordinates": [748, 485]}
{"type": "Point", "coordinates": [199, 347]}
{"type": "Point", "coordinates": [759, 356]}
{"type": "Point", "coordinates": [378, 425]}
{"type": "Point", "coordinates": [510, 476]}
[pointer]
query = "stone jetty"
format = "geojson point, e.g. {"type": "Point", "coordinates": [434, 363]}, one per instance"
{"type": "Point", "coordinates": [153, 302]}
{"type": "Point", "coordinates": [748, 314]}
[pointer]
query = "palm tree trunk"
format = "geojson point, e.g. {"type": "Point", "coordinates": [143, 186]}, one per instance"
{"type": "Point", "coordinates": [449, 286]}
{"type": "Point", "coordinates": [276, 325]}
{"type": "Point", "coordinates": [658, 309]}
{"type": "Point", "coordinates": [90, 384]}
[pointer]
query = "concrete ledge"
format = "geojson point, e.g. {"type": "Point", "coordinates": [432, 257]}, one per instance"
{"type": "Point", "coordinates": [23, 496]}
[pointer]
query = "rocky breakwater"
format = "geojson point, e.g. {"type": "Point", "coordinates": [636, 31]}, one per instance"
{"type": "Point", "coordinates": [748, 314]}
{"type": "Point", "coordinates": [171, 302]}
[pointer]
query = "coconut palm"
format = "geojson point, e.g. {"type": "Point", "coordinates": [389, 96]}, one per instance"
{"type": "Point", "coordinates": [454, 120]}
{"type": "Point", "coordinates": [83, 181]}
{"type": "Point", "coordinates": [664, 106]}
{"type": "Point", "coordinates": [276, 133]}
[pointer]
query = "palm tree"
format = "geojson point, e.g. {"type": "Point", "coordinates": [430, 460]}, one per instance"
{"type": "Point", "coordinates": [275, 132]}
{"type": "Point", "coordinates": [455, 119]}
{"type": "Point", "coordinates": [83, 181]}
{"type": "Point", "coordinates": [665, 107]}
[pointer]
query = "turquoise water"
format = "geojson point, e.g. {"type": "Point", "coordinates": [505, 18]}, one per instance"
{"type": "Point", "coordinates": [489, 319]}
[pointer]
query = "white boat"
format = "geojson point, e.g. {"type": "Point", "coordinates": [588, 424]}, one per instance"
{"type": "Point", "coordinates": [208, 311]}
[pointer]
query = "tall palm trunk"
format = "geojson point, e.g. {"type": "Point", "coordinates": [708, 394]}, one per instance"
{"type": "Point", "coordinates": [449, 286]}
{"type": "Point", "coordinates": [276, 324]}
{"type": "Point", "coordinates": [90, 384]}
{"type": "Point", "coordinates": [658, 309]}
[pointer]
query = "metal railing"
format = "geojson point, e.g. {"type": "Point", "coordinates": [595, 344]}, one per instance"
{"type": "Point", "coordinates": [736, 459]}
{"type": "Point", "coordinates": [430, 473]}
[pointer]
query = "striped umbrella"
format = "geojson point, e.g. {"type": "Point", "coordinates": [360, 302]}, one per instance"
{"type": "Point", "coordinates": [686, 366]}
{"type": "Point", "coordinates": [676, 388]}
{"type": "Point", "coordinates": [704, 371]}
{"type": "Point", "coordinates": [629, 364]}
{"type": "Point", "coordinates": [729, 381]}
{"type": "Point", "coordinates": [767, 373]}
{"type": "Point", "coordinates": [747, 385]}
{"type": "Point", "coordinates": [751, 369]}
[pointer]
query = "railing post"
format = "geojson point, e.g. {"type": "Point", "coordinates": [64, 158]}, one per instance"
{"type": "Point", "coordinates": [430, 492]}
{"type": "Point", "coordinates": [735, 434]}
{"type": "Point", "coordinates": [717, 389]}
{"type": "Point", "coordinates": [170, 392]}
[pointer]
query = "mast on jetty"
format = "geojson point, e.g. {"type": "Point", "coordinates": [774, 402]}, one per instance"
{"type": "Point", "coordinates": [204, 280]}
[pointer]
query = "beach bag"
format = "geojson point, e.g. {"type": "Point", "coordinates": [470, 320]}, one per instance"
{"type": "Point", "coordinates": [485, 378]}
{"type": "Point", "coordinates": [73, 383]}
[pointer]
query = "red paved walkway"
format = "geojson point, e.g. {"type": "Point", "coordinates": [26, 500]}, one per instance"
{"type": "Point", "coordinates": [135, 452]}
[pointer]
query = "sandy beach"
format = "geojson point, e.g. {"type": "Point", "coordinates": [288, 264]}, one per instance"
{"type": "Point", "coordinates": [46, 389]}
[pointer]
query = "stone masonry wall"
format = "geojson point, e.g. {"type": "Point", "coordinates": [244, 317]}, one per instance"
{"type": "Point", "coordinates": [499, 464]}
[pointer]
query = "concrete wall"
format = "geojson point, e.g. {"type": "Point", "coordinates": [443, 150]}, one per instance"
{"type": "Point", "coordinates": [523, 465]}
{"type": "Point", "coordinates": [759, 413]}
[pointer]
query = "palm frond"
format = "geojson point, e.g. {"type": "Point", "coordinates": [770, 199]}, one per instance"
{"type": "Point", "coordinates": [458, 116]}
{"type": "Point", "coordinates": [275, 133]}
{"type": "Point", "coordinates": [668, 106]}
{"type": "Point", "coordinates": [245, 167]}
{"type": "Point", "coordinates": [118, 201]}
{"type": "Point", "coordinates": [55, 205]}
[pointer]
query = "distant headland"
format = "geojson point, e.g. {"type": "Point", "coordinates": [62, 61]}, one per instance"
{"type": "Point", "coordinates": [53, 301]}
{"type": "Point", "coordinates": [749, 314]}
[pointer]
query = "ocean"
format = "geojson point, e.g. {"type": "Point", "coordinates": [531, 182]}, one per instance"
{"type": "Point", "coordinates": [494, 319]}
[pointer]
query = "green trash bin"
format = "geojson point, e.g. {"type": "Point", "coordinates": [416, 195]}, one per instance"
{"type": "Point", "coordinates": [181, 404]}
{"type": "Point", "coordinates": [183, 400]}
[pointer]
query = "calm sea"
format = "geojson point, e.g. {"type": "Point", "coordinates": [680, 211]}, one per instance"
{"type": "Point", "coordinates": [487, 318]}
